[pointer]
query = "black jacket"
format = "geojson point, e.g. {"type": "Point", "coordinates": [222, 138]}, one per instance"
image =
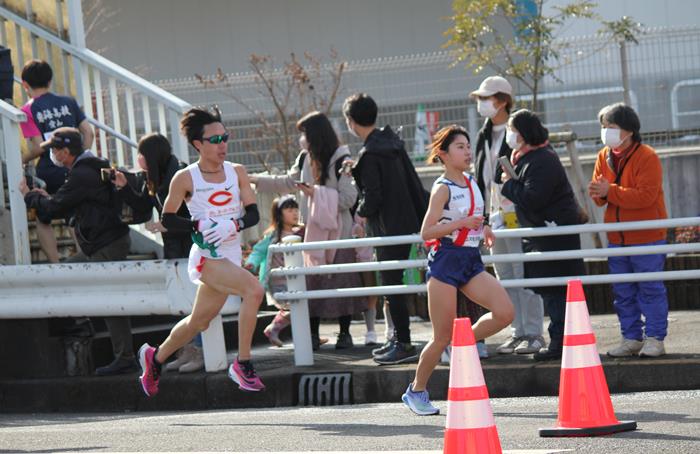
{"type": "Point", "coordinates": [140, 199]}
{"type": "Point", "coordinates": [90, 200]}
{"type": "Point", "coordinates": [392, 197]}
{"type": "Point", "coordinates": [543, 193]}
{"type": "Point", "coordinates": [483, 145]}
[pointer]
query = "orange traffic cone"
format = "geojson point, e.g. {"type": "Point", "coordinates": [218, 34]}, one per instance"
{"type": "Point", "coordinates": [585, 408]}
{"type": "Point", "coordinates": [470, 426]}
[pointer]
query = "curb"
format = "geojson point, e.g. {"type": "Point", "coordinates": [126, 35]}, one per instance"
{"type": "Point", "coordinates": [370, 384]}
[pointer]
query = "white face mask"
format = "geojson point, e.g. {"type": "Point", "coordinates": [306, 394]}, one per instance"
{"type": "Point", "coordinates": [486, 108]}
{"type": "Point", "coordinates": [512, 139]}
{"type": "Point", "coordinates": [55, 161]}
{"type": "Point", "coordinates": [610, 137]}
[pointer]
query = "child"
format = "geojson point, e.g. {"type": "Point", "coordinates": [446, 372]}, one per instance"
{"type": "Point", "coordinates": [284, 221]}
{"type": "Point", "coordinates": [454, 223]}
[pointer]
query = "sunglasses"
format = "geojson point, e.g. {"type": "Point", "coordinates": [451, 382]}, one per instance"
{"type": "Point", "coordinates": [215, 140]}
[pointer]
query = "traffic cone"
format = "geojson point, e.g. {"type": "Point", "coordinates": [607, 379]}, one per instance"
{"type": "Point", "coordinates": [585, 408]}
{"type": "Point", "coordinates": [470, 427]}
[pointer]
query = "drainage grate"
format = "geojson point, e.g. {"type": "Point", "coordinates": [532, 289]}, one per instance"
{"type": "Point", "coordinates": [325, 389]}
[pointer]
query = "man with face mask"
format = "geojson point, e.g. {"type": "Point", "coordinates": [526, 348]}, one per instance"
{"type": "Point", "coordinates": [494, 102]}
{"type": "Point", "coordinates": [100, 233]}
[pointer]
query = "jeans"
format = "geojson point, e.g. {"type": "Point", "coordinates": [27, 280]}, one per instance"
{"type": "Point", "coordinates": [529, 309]}
{"type": "Point", "coordinates": [634, 299]}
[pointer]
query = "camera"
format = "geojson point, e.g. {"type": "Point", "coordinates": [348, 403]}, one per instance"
{"type": "Point", "coordinates": [108, 175]}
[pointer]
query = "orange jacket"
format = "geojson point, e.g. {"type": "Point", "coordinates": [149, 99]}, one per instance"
{"type": "Point", "coordinates": [635, 195]}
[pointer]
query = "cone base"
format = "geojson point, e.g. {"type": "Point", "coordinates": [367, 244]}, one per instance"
{"type": "Point", "coordinates": [482, 441]}
{"type": "Point", "coordinates": [623, 426]}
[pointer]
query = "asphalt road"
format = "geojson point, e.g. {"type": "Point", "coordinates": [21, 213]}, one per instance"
{"type": "Point", "coordinates": [667, 421]}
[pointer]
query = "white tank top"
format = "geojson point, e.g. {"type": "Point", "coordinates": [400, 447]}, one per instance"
{"type": "Point", "coordinates": [215, 201]}
{"type": "Point", "coordinates": [463, 196]}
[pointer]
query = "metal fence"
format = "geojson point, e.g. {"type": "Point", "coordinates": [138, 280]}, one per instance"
{"type": "Point", "coordinates": [663, 72]}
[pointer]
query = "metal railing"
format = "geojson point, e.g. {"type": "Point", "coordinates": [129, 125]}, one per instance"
{"type": "Point", "coordinates": [119, 103]}
{"type": "Point", "coordinates": [153, 287]}
{"type": "Point", "coordinates": [11, 118]}
{"type": "Point", "coordinates": [297, 294]}
{"type": "Point", "coordinates": [676, 113]}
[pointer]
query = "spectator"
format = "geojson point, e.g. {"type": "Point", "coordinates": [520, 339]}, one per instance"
{"type": "Point", "coordinates": [332, 182]}
{"type": "Point", "coordinates": [628, 178]}
{"type": "Point", "coordinates": [494, 101]}
{"type": "Point", "coordinates": [543, 196]}
{"type": "Point", "coordinates": [393, 202]}
{"type": "Point", "coordinates": [156, 158]}
{"type": "Point", "coordinates": [284, 215]}
{"type": "Point", "coordinates": [45, 113]}
{"type": "Point", "coordinates": [101, 234]}
{"type": "Point", "coordinates": [222, 203]}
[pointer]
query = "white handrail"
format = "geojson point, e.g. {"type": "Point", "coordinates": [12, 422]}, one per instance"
{"type": "Point", "coordinates": [509, 283]}
{"type": "Point", "coordinates": [487, 259]}
{"type": "Point", "coordinates": [504, 233]}
{"type": "Point", "coordinates": [11, 117]}
{"type": "Point", "coordinates": [101, 63]}
{"type": "Point", "coordinates": [675, 113]}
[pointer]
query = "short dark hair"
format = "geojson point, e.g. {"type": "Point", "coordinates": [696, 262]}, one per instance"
{"type": "Point", "coordinates": [194, 120]}
{"type": "Point", "coordinates": [529, 127]}
{"type": "Point", "coordinates": [506, 98]}
{"type": "Point", "coordinates": [37, 74]}
{"type": "Point", "coordinates": [623, 116]}
{"type": "Point", "coordinates": [361, 109]}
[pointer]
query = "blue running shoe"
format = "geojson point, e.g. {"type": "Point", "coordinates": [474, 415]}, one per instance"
{"type": "Point", "coordinates": [419, 402]}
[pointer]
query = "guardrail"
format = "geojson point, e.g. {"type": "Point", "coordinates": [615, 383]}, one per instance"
{"type": "Point", "coordinates": [298, 295]}
{"type": "Point", "coordinates": [11, 117]}
{"type": "Point", "coordinates": [152, 287]}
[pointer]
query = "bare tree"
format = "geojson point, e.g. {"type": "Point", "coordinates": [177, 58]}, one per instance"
{"type": "Point", "coordinates": [292, 90]}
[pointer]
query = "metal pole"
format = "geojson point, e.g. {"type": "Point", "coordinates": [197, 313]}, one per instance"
{"type": "Point", "coordinates": [625, 73]}
{"type": "Point", "coordinates": [299, 309]}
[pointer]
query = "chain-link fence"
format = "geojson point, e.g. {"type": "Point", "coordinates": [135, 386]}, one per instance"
{"type": "Point", "coordinates": [664, 88]}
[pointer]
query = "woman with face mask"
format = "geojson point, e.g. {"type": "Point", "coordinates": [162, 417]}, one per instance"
{"type": "Point", "coordinates": [494, 102]}
{"type": "Point", "coordinates": [543, 197]}
{"type": "Point", "coordinates": [628, 178]}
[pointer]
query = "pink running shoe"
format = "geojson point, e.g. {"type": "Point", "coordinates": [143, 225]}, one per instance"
{"type": "Point", "coordinates": [244, 375]}
{"type": "Point", "coordinates": [151, 373]}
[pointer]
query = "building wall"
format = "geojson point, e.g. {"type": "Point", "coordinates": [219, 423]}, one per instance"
{"type": "Point", "coordinates": [163, 39]}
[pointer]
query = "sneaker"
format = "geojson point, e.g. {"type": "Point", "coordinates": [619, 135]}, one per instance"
{"type": "Point", "coordinates": [508, 346]}
{"type": "Point", "coordinates": [546, 354]}
{"type": "Point", "coordinates": [384, 348]}
{"type": "Point", "coordinates": [419, 402]}
{"type": "Point", "coordinates": [400, 353]}
{"type": "Point", "coordinates": [244, 375]}
{"type": "Point", "coordinates": [151, 371]}
{"type": "Point", "coordinates": [652, 348]}
{"type": "Point", "coordinates": [481, 349]}
{"type": "Point", "coordinates": [184, 357]}
{"type": "Point", "coordinates": [370, 338]}
{"type": "Point", "coordinates": [628, 347]}
{"type": "Point", "coordinates": [118, 367]}
{"type": "Point", "coordinates": [344, 341]}
{"type": "Point", "coordinates": [195, 363]}
{"type": "Point", "coordinates": [272, 331]}
{"type": "Point", "coordinates": [316, 342]}
{"type": "Point", "coordinates": [530, 344]}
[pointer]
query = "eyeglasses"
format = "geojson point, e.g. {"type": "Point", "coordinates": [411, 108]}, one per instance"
{"type": "Point", "coordinates": [215, 140]}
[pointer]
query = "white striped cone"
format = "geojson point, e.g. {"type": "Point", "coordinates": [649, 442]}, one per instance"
{"type": "Point", "coordinates": [470, 427]}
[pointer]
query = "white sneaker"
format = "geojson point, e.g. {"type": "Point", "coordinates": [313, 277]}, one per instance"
{"type": "Point", "coordinates": [371, 338]}
{"type": "Point", "coordinates": [195, 363]}
{"type": "Point", "coordinates": [185, 356]}
{"type": "Point", "coordinates": [628, 347]}
{"type": "Point", "coordinates": [508, 346]}
{"type": "Point", "coordinates": [530, 344]}
{"type": "Point", "coordinates": [652, 348]}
